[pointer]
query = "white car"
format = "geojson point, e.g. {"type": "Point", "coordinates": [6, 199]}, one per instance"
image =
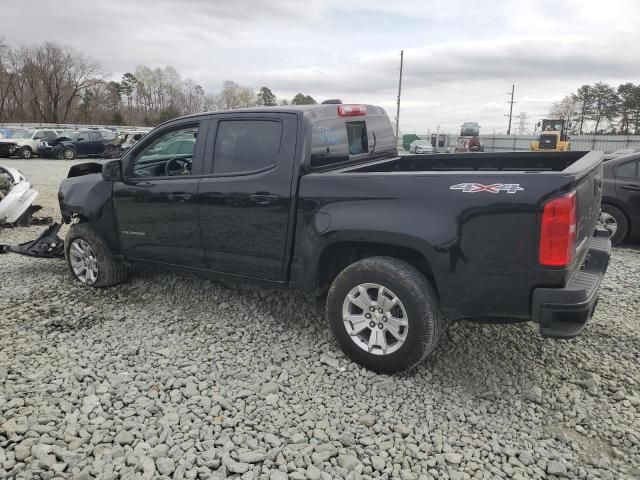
{"type": "Point", "coordinates": [16, 194]}
{"type": "Point", "coordinates": [421, 146]}
{"type": "Point", "coordinates": [25, 143]}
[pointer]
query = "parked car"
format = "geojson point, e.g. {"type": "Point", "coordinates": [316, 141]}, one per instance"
{"type": "Point", "coordinates": [421, 146]}
{"type": "Point", "coordinates": [397, 244]}
{"type": "Point", "coordinates": [16, 196]}
{"type": "Point", "coordinates": [25, 143]}
{"type": "Point", "coordinates": [621, 198]}
{"type": "Point", "coordinates": [124, 140]}
{"type": "Point", "coordinates": [6, 132]}
{"type": "Point", "coordinates": [74, 143]}
{"type": "Point", "coordinates": [619, 153]}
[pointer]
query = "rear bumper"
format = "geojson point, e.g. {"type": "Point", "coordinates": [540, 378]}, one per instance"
{"type": "Point", "coordinates": [564, 312]}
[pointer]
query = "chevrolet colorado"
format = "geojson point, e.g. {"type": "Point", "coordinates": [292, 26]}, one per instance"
{"type": "Point", "coordinates": [317, 199]}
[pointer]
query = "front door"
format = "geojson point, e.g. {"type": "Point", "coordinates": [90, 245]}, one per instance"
{"type": "Point", "coordinates": [245, 200]}
{"type": "Point", "coordinates": [155, 205]}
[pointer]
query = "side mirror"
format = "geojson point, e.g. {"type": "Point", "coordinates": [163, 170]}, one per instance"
{"type": "Point", "coordinates": [112, 171]}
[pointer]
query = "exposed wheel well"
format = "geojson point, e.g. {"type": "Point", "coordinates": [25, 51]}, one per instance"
{"type": "Point", "coordinates": [338, 256]}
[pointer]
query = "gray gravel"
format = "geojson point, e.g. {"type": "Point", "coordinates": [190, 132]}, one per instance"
{"type": "Point", "coordinates": [172, 376]}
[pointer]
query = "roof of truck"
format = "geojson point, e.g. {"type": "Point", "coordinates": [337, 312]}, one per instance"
{"type": "Point", "coordinates": [318, 110]}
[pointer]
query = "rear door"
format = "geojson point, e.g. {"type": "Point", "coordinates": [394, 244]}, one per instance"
{"type": "Point", "coordinates": [82, 144]}
{"type": "Point", "coordinates": [244, 200]}
{"type": "Point", "coordinates": [155, 205]}
{"type": "Point", "coordinates": [95, 145]}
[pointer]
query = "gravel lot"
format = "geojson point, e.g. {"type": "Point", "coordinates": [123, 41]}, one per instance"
{"type": "Point", "coordinates": [171, 376]}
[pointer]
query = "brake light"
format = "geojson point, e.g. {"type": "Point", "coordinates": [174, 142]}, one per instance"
{"type": "Point", "coordinates": [558, 231]}
{"type": "Point", "coordinates": [352, 110]}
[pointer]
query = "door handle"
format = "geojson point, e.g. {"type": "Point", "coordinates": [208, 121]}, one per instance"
{"type": "Point", "coordinates": [144, 184]}
{"type": "Point", "coordinates": [264, 198]}
{"type": "Point", "coordinates": [181, 196]}
{"type": "Point", "coordinates": [635, 188]}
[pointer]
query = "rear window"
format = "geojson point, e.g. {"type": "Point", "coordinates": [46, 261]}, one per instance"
{"type": "Point", "coordinates": [357, 138]}
{"type": "Point", "coordinates": [338, 140]}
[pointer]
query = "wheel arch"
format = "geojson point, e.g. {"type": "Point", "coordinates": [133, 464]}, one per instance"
{"type": "Point", "coordinates": [338, 254]}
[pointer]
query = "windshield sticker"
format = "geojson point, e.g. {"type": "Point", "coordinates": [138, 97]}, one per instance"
{"type": "Point", "coordinates": [327, 136]}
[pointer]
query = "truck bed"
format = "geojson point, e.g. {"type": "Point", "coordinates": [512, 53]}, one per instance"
{"type": "Point", "coordinates": [491, 162]}
{"type": "Point", "coordinates": [474, 217]}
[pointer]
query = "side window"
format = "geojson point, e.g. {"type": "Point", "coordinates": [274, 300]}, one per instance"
{"type": "Point", "coordinates": [50, 134]}
{"type": "Point", "coordinates": [94, 136]}
{"type": "Point", "coordinates": [168, 154]}
{"type": "Point", "coordinates": [39, 135]}
{"type": "Point", "coordinates": [629, 169]}
{"type": "Point", "coordinates": [246, 145]}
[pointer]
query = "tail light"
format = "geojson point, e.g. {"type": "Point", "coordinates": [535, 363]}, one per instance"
{"type": "Point", "coordinates": [558, 231]}
{"type": "Point", "coordinates": [352, 110]}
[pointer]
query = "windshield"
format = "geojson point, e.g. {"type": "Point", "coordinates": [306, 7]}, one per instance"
{"type": "Point", "coordinates": [22, 134]}
{"type": "Point", "coordinates": [422, 143]}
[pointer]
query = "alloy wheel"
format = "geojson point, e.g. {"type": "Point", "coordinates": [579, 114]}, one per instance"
{"type": "Point", "coordinates": [375, 319]}
{"type": "Point", "coordinates": [83, 261]}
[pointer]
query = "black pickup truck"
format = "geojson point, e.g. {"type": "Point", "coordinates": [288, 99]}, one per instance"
{"type": "Point", "coordinates": [316, 198]}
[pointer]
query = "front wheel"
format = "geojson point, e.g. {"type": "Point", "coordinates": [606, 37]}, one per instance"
{"type": "Point", "coordinates": [90, 260]}
{"type": "Point", "coordinates": [26, 153]}
{"type": "Point", "coordinates": [68, 153]}
{"type": "Point", "coordinates": [385, 314]}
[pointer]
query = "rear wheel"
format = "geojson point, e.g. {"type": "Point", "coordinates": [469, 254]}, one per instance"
{"type": "Point", "coordinates": [384, 314]}
{"type": "Point", "coordinates": [90, 260]}
{"type": "Point", "coordinates": [615, 222]}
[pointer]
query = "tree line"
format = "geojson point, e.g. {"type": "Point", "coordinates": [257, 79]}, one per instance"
{"type": "Point", "coordinates": [601, 109]}
{"type": "Point", "coordinates": [52, 83]}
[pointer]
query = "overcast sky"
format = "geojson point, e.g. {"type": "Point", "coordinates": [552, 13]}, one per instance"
{"type": "Point", "coordinates": [461, 56]}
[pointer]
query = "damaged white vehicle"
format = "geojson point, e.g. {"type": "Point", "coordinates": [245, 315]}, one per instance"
{"type": "Point", "coordinates": [16, 196]}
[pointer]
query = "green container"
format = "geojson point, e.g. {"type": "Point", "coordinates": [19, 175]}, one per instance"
{"type": "Point", "coordinates": [408, 139]}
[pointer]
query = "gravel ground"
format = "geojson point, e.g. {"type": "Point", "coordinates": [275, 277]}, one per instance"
{"type": "Point", "coordinates": [171, 376]}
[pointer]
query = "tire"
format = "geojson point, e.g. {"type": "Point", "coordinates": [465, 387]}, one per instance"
{"type": "Point", "coordinates": [68, 153]}
{"type": "Point", "coordinates": [417, 305]}
{"type": "Point", "coordinates": [26, 153]}
{"type": "Point", "coordinates": [615, 221]}
{"type": "Point", "coordinates": [109, 270]}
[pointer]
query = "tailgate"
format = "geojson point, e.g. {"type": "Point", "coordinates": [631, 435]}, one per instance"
{"type": "Point", "coordinates": [588, 196]}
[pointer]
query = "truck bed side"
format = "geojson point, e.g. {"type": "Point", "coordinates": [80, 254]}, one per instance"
{"type": "Point", "coordinates": [479, 247]}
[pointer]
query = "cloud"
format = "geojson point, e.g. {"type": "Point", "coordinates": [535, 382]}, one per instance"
{"type": "Point", "coordinates": [460, 59]}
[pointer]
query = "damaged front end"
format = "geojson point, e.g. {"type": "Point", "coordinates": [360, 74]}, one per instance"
{"type": "Point", "coordinates": [16, 195]}
{"type": "Point", "coordinates": [84, 196]}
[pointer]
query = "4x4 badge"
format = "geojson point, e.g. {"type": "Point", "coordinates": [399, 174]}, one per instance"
{"type": "Point", "coordinates": [495, 188]}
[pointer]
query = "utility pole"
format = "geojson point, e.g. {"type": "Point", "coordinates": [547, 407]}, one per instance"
{"type": "Point", "coordinates": [513, 87]}
{"type": "Point", "coordinates": [399, 93]}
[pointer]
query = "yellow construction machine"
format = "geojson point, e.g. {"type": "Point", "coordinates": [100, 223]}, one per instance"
{"type": "Point", "coordinates": [553, 137]}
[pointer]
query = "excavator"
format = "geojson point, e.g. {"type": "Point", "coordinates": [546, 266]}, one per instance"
{"type": "Point", "coordinates": [553, 137]}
